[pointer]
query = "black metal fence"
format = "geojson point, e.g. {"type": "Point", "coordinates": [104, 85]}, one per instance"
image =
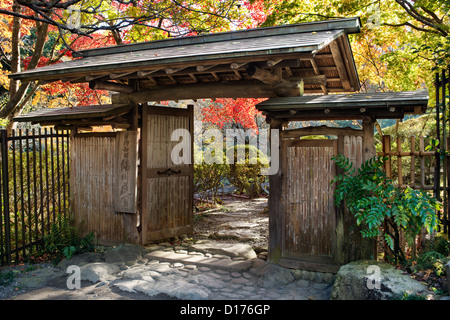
{"type": "Point", "coordinates": [442, 168]}
{"type": "Point", "coordinates": [34, 189]}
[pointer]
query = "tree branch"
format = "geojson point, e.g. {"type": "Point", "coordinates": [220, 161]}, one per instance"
{"type": "Point", "coordinates": [412, 26]}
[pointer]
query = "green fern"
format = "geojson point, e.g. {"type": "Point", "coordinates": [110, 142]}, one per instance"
{"type": "Point", "coordinates": [64, 239]}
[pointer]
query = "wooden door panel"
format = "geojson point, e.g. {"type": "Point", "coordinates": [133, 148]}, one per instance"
{"type": "Point", "coordinates": [309, 211]}
{"type": "Point", "coordinates": [167, 191]}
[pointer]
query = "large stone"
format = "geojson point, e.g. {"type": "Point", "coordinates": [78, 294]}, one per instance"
{"type": "Point", "coordinates": [168, 285]}
{"type": "Point", "coordinates": [373, 280]}
{"type": "Point", "coordinates": [36, 278]}
{"type": "Point", "coordinates": [200, 261]}
{"type": "Point", "coordinates": [231, 250]}
{"type": "Point", "coordinates": [128, 254]}
{"type": "Point", "coordinates": [98, 271]}
{"type": "Point", "coordinates": [274, 275]}
{"type": "Point", "coordinates": [80, 260]}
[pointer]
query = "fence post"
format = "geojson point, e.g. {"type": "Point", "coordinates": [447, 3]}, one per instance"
{"type": "Point", "coordinates": [5, 185]}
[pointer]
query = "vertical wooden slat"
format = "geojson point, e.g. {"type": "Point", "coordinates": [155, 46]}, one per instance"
{"type": "Point", "coordinates": [422, 162]}
{"type": "Point", "coordinates": [399, 162]}
{"type": "Point", "coordinates": [387, 150]}
{"type": "Point", "coordinates": [413, 162]}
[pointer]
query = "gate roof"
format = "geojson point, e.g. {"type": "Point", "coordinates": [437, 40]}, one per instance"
{"type": "Point", "coordinates": [318, 53]}
{"type": "Point", "coordinates": [382, 105]}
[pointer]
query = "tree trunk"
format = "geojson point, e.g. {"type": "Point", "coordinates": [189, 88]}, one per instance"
{"type": "Point", "coordinates": [11, 108]}
{"type": "Point", "coordinates": [15, 49]}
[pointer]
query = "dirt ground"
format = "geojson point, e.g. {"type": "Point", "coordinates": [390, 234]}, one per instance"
{"type": "Point", "coordinates": [236, 220]}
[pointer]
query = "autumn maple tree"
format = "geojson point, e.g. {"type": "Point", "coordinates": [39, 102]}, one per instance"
{"type": "Point", "coordinates": [37, 33]}
{"type": "Point", "coordinates": [400, 41]}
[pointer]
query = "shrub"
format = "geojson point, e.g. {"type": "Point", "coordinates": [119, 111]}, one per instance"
{"type": "Point", "coordinates": [375, 201]}
{"type": "Point", "coordinates": [208, 177]}
{"type": "Point", "coordinates": [246, 177]}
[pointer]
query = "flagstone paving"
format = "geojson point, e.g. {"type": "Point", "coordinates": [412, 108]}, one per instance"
{"type": "Point", "coordinates": [168, 272]}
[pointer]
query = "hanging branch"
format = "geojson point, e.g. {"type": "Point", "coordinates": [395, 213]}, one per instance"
{"type": "Point", "coordinates": [53, 12]}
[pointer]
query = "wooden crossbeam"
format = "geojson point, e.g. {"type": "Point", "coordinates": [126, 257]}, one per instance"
{"type": "Point", "coordinates": [338, 60]}
{"type": "Point", "coordinates": [119, 75]}
{"type": "Point", "coordinates": [143, 74]}
{"type": "Point", "coordinates": [323, 86]}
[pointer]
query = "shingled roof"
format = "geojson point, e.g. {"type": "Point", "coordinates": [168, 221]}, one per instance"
{"type": "Point", "coordinates": [318, 53]}
{"type": "Point", "coordinates": [381, 105]}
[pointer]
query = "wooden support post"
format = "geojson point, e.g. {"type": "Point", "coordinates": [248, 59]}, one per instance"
{"type": "Point", "coordinates": [368, 139]}
{"type": "Point", "coordinates": [276, 205]}
{"type": "Point", "coordinates": [368, 248]}
{"type": "Point", "coordinates": [386, 151]}
{"type": "Point", "coordinates": [142, 176]}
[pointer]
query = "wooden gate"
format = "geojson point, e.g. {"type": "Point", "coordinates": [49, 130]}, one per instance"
{"type": "Point", "coordinates": [167, 188]}
{"type": "Point", "coordinates": [309, 212]}
{"type": "Point", "coordinates": [103, 185]}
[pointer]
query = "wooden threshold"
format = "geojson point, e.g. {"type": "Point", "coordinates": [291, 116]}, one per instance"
{"type": "Point", "coordinates": [308, 265]}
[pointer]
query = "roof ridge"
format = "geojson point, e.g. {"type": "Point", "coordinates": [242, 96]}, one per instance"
{"type": "Point", "coordinates": [350, 25]}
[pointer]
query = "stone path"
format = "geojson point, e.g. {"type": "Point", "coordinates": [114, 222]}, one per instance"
{"type": "Point", "coordinates": [217, 273]}
{"type": "Point", "coordinates": [207, 271]}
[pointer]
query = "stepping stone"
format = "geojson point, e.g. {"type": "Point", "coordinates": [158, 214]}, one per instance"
{"type": "Point", "coordinates": [200, 261]}
{"type": "Point", "coordinates": [231, 250]}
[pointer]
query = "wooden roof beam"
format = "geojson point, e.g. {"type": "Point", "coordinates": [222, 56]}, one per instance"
{"type": "Point", "coordinates": [235, 65]}
{"type": "Point", "coordinates": [115, 76]}
{"type": "Point", "coordinates": [318, 80]}
{"type": "Point", "coordinates": [339, 61]}
{"type": "Point", "coordinates": [144, 74]}
{"type": "Point", "coordinates": [110, 86]}
{"type": "Point", "coordinates": [204, 68]}
{"type": "Point", "coordinates": [198, 91]}
{"type": "Point", "coordinates": [263, 75]}
{"type": "Point", "coordinates": [317, 71]}
{"type": "Point", "coordinates": [282, 87]}
{"type": "Point", "coordinates": [174, 70]}
{"type": "Point", "coordinates": [94, 77]}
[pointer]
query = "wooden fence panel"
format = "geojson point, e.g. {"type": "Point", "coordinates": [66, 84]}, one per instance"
{"type": "Point", "coordinates": [398, 174]}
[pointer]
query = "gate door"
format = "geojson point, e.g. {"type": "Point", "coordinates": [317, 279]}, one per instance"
{"type": "Point", "coordinates": [309, 210]}
{"type": "Point", "coordinates": [167, 188]}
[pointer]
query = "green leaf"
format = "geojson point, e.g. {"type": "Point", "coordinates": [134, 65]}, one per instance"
{"type": "Point", "coordinates": [389, 241]}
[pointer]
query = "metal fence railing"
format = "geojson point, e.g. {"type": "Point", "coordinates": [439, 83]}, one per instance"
{"type": "Point", "coordinates": [34, 189]}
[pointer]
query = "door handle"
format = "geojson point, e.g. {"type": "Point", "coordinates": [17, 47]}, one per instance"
{"type": "Point", "coordinates": [168, 172]}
